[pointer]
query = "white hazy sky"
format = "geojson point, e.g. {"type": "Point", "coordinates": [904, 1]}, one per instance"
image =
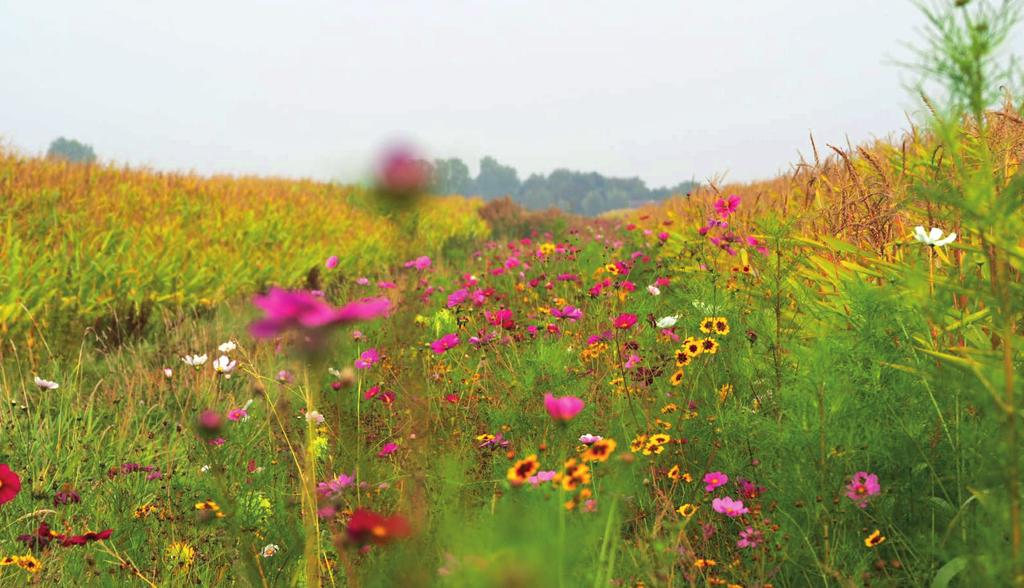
{"type": "Point", "coordinates": [659, 89]}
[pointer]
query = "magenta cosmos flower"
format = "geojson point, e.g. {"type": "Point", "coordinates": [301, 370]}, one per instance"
{"type": "Point", "coordinates": [563, 408]}
{"type": "Point", "coordinates": [421, 263]}
{"type": "Point", "coordinates": [302, 310]}
{"type": "Point", "coordinates": [367, 358]}
{"type": "Point", "coordinates": [332, 262]}
{"type": "Point", "coordinates": [714, 480]}
{"type": "Point", "coordinates": [10, 484]}
{"type": "Point", "coordinates": [726, 206]}
{"type": "Point", "coordinates": [567, 312]}
{"type": "Point", "coordinates": [625, 320]}
{"type": "Point", "coordinates": [445, 343]}
{"type": "Point", "coordinates": [729, 507]}
{"type": "Point", "coordinates": [862, 487]}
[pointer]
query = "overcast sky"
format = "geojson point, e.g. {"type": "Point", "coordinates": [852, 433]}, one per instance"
{"type": "Point", "coordinates": [660, 89]}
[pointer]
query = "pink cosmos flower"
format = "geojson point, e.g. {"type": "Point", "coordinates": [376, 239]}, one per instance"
{"type": "Point", "coordinates": [750, 538]}
{"type": "Point", "coordinates": [625, 320]}
{"type": "Point", "coordinates": [502, 318]}
{"type": "Point", "coordinates": [542, 476]}
{"type": "Point", "coordinates": [332, 488]}
{"type": "Point", "coordinates": [567, 312]}
{"type": "Point", "coordinates": [589, 439]}
{"type": "Point", "coordinates": [632, 361]}
{"type": "Point", "coordinates": [332, 262]}
{"type": "Point", "coordinates": [714, 480]}
{"type": "Point", "coordinates": [445, 343]}
{"type": "Point", "coordinates": [237, 414]}
{"type": "Point", "coordinates": [421, 263]}
{"type": "Point", "coordinates": [563, 408]}
{"type": "Point", "coordinates": [301, 310]}
{"type": "Point", "coordinates": [727, 206]}
{"type": "Point", "coordinates": [367, 359]}
{"type": "Point", "coordinates": [458, 297]}
{"type": "Point", "coordinates": [363, 281]}
{"type": "Point", "coordinates": [862, 487]}
{"type": "Point", "coordinates": [729, 507]}
{"type": "Point", "coordinates": [387, 450]}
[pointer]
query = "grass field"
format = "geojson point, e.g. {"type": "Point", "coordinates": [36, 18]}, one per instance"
{"type": "Point", "coordinates": [267, 382]}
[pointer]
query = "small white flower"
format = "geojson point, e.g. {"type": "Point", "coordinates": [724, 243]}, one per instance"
{"type": "Point", "coordinates": [204, 469]}
{"type": "Point", "coordinates": [46, 384]}
{"type": "Point", "coordinates": [223, 365]}
{"type": "Point", "coordinates": [589, 439]}
{"type": "Point", "coordinates": [269, 550]}
{"type": "Point", "coordinates": [168, 373]}
{"type": "Point", "coordinates": [334, 372]}
{"type": "Point", "coordinates": [314, 417]}
{"type": "Point", "coordinates": [654, 290]}
{"type": "Point", "coordinates": [195, 361]}
{"type": "Point", "coordinates": [933, 238]}
{"type": "Point", "coordinates": [227, 347]}
{"type": "Point", "coordinates": [667, 322]}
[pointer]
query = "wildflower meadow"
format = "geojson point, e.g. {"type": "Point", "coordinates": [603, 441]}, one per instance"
{"type": "Point", "coordinates": [813, 380]}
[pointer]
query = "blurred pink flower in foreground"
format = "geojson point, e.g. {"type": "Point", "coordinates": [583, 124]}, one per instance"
{"type": "Point", "coordinates": [401, 173]}
{"type": "Point", "coordinates": [302, 310]}
{"type": "Point", "coordinates": [563, 408]}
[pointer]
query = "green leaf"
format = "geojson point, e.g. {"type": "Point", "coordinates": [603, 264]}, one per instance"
{"type": "Point", "coordinates": [948, 571]}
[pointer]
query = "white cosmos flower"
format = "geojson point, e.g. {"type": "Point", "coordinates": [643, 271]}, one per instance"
{"type": "Point", "coordinates": [933, 238]}
{"type": "Point", "coordinates": [223, 365]}
{"type": "Point", "coordinates": [315, 417]}
{"type": "Point", "coordinates": [204, 469]}
{"type": "Point", "coordinates": [654, 290]}
{"type": "Point", "coordinates": [269, 550]}
{"type": "Point", "coordinates": [168, 373]}
{"type": "Point", "coordinates": [707, 309]}
{"type": "Point", "coordinates": [195, 361]}
{"type": "Point", "coordinates": [227, 347]}
{"type": "Point", "coordinates": [667, 322]}
{"type": "Point", "coordinates": [45, 384]}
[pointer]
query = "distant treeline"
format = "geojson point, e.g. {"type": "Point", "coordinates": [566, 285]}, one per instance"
{"type": "Point", "coordinates": [575, 192]}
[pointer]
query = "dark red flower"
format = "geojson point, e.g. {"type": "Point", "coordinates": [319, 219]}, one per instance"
{"type": "Point", "coordinates": [366, 526]}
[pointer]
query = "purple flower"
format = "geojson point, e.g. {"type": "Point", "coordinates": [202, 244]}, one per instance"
{"type": "Point", "coordinates": [302, 310]}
